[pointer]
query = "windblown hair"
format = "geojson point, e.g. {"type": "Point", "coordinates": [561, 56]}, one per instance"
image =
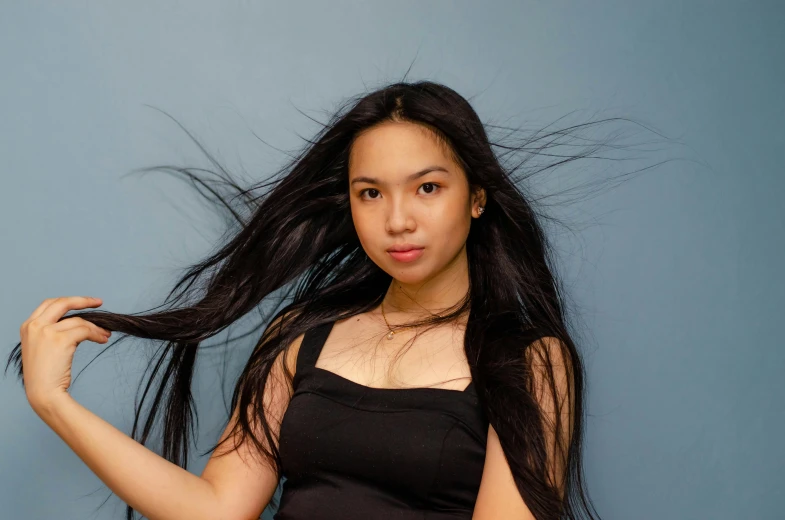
{"type": "Point", "coordinates": [296, 241]}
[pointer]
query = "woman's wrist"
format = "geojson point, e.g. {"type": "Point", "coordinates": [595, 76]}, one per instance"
{"type": "Point", "coordinates": [46, 406]}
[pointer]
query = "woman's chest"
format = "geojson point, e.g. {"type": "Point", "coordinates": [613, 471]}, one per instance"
{"type": "Point", "coordinates": [433, 455]}
{"type": "Point", "coordinates": [434, 359]}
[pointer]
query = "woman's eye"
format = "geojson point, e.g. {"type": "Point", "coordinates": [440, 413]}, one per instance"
{"type": "Point", "coordinates": [369, 190]}
{"type": "Point", "coordinates": [372, 193]}
{"type": "Point", "coordinates": [431, 185]}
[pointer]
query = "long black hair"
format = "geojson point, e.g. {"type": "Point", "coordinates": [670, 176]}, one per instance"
{"type": "Point", "coordinates": [292, 238]}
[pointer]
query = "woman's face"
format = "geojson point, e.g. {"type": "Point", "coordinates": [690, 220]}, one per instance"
{"type": "Point", "coordinates": [406, 192]}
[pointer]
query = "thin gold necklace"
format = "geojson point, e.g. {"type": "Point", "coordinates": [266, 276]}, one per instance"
{"type": "Point", "coordinates": [391, 333]}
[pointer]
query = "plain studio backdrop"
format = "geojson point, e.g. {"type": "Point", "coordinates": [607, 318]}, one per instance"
{"type": "Point", "coordinates": [677, 273]}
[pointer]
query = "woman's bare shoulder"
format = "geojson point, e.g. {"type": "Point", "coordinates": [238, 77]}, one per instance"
{"type": "Point", "coordinates": [288, 355]}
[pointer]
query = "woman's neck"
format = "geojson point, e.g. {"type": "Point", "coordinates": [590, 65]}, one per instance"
{"type": "Point", "coordinates": [432, 296]}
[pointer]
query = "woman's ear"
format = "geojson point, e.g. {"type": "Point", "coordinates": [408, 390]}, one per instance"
{"type": "Point", "coordinates": [478, 201]}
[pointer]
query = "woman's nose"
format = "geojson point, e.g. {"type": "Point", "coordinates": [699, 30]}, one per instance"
{"type": "Point", "coordinates": [399, 218]}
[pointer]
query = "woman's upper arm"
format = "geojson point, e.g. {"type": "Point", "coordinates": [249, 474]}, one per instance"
{"type": "Point", "coordinates": [498, 497]}
{"type": "Point", "coordinates": [242, 479]}
{"type": "Point", "coordinates": [552, 388]}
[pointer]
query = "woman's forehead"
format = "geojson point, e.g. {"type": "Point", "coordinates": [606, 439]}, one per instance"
{"type": "Point", "coordinates": [397, 149]}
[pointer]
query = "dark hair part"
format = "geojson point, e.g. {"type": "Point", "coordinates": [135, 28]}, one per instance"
{"type": "Point", "coordinates": [296, 241]}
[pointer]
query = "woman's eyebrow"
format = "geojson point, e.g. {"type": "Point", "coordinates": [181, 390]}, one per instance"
{"type": "Point", "coordinates": [413, 176]}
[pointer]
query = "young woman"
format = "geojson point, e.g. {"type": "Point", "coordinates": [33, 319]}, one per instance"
{"type": "Point", "coordinates": [421, 367]}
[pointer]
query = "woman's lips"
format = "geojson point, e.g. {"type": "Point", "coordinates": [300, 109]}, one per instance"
{"type": "Point", "coordinates": [407, 256]}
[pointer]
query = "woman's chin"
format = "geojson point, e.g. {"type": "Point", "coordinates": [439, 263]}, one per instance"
{"type": "Point", "coordinates": [413, 275]}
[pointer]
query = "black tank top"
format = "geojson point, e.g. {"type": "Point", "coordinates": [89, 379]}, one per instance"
{"type": "Point", "coordinates": [354, 452]}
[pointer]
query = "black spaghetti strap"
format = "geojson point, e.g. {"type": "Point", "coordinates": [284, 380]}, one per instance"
{"type": "Point", "coordinates": [313, 341]}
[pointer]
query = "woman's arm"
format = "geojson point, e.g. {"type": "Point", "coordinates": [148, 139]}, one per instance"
{"type": "Point", "coordinates": [498, 497]}
{"type": "Point", "coordinates": [233, 486]}
{"type": "Point", "coordinates": [244, 484]}
{"type": "Point", "coordinates": [143, 479]}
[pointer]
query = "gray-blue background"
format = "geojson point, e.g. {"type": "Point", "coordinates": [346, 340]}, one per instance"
{"type": "Point", "coordinates": [678, 274]}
